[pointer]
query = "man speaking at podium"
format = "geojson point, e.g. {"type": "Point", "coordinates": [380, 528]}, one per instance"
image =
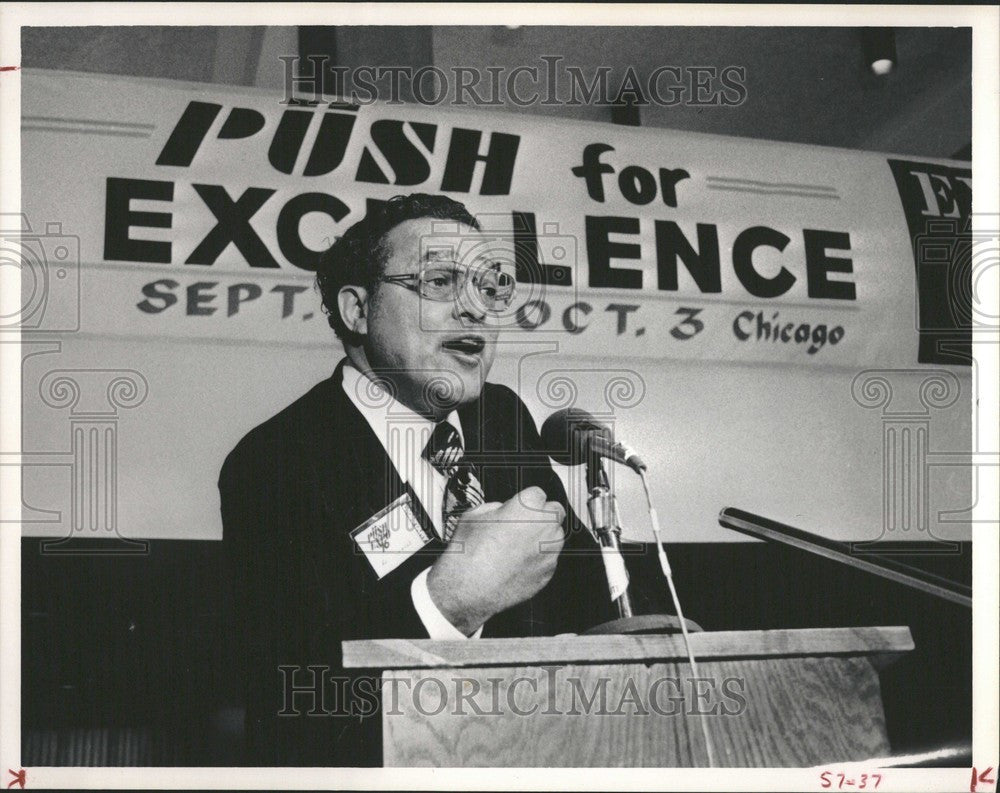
{"type": "Point", "coordinates": [403, 497]}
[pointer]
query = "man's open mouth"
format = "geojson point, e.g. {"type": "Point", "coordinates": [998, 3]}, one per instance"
{"type": "Point", "coordinates": [467, 345]}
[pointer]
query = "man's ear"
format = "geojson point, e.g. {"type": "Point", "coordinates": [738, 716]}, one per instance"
{"type": "Point", "coordinates": [353, 304]}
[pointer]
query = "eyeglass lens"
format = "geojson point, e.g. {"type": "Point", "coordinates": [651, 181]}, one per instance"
{"type": "Point", "coordinates": [494, 286]}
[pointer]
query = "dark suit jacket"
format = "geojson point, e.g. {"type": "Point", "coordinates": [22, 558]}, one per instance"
{"type": "Point", "coordinates": [292, 492]}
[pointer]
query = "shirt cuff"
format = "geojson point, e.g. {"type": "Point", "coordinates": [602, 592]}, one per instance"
{"type": "Point", "coordinates": [434, 621]}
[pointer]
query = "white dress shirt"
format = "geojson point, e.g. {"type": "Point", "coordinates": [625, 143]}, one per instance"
{"type": "Point", "coordinates": [404, 436]}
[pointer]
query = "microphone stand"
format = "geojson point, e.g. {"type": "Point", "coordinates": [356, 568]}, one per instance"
{"type": "Point", "coordinates": [604, 520]}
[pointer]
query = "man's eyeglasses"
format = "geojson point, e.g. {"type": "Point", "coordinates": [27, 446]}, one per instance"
{"type": "Point", "coordinates": [495, 287]}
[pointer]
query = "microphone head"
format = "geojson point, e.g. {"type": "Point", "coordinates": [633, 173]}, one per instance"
{"type": "Point", "coordinates": [568, 433]}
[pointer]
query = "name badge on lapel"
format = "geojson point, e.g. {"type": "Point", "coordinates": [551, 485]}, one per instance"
{"type": "Point", "coordinates": [390, 536]}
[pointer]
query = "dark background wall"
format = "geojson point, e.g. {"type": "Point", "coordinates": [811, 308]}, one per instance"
{"type": "Point", "coordinates": [804, 85]}
{"type": "Point", "coordinates": [124, 662]}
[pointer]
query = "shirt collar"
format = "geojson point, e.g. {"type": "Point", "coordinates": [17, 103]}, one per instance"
{"type": "Point", "coordinates": [402, 432]}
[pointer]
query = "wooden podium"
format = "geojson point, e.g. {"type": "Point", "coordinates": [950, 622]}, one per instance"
{"type": "Point", "coordinates": [789, 698]}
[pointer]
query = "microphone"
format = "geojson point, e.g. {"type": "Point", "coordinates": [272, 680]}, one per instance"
{"type": "Point", "coordinates": [570, 436]}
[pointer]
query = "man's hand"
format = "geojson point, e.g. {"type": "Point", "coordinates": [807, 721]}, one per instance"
{"type": "Point", "coordinates": [508, 553]}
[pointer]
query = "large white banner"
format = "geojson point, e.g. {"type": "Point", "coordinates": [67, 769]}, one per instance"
{"type": "Point", "coordinates": [200, 212]}
{"type": "Point", "coordinates": [734, 306]}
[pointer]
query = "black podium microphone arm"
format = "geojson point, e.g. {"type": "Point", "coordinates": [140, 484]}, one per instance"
{"type": "Point", "coordinates": [766, 529]}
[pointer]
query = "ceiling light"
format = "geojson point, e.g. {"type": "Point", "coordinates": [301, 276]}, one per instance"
{"type": "Point", "coordinates": [878, 45]}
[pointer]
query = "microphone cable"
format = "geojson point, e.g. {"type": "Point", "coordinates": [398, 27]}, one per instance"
{"type": "Point", "coordinates": [668, 574]}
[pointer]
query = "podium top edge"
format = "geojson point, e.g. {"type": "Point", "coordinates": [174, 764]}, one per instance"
{"type": "Point", "coordinates": [720, 645]}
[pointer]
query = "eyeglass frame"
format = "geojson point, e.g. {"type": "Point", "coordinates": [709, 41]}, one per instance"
{"type": "Point", "coordinates": [411, 281]}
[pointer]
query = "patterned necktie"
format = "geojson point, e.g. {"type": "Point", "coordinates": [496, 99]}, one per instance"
{"type": "Point", "coordinates": [462, 490]}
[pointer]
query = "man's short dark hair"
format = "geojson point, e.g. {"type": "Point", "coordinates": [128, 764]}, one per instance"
{"type": "Point", "coordinates": [358, 257]}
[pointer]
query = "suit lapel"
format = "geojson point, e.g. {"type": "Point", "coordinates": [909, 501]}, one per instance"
{"type": "Point", "coordinates": [358, 478]}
